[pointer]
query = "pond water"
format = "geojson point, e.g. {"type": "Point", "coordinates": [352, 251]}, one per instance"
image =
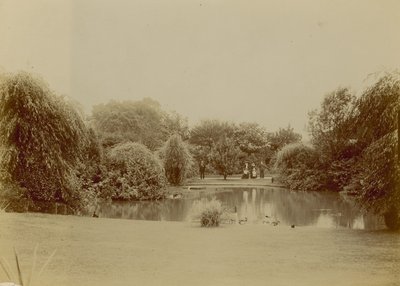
{"type": "Point", "coordinates": [326, 209]}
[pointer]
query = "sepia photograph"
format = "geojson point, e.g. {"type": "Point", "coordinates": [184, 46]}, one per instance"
{"type": "Point", "coordinates": [200, 142]}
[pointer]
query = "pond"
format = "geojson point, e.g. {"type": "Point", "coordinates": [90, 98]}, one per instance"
{"type": "Point", "coordinates": [317, 209]}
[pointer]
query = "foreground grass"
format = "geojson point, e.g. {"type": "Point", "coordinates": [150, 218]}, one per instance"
{"type": "Point", "coordinates": [126, 252]}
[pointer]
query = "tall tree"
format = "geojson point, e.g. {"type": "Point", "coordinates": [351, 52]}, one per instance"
{"type": "Point", "coordinates": [377, 110]}
{"type": "Point", "coordinates": [138, 121]}
{"type": "Point", "coordinates": [208, 132]}
{"type": "Point", "coordinates": [177, 159]}
{"type": "Point", "coordinates": [331, 126]}
{"type": "Point", "coordinates": [282, 137]}
{"type": "Point", "coordinates": [251, 138]}
{"type": "Point", "coordinates": [224, 156]}
{"type": "Point", "coordinates": [42, 141]}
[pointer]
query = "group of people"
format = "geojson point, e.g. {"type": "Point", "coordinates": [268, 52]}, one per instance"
{"type": "Point", "coordinates": [248, 173]}
{"type": "Point", "coordinates": [251, 173]}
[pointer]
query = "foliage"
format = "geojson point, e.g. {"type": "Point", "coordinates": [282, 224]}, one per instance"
{"type": "Point", "coordinates": [208, 212]}
{"type": "Point", "coordinates": [210, 140]}
{"type": "Point", "coordinates": [133, 173]}
{"type": "Point", "coordinates": [355, 142]}
{"type": "Point", "coordinates": [208, 132]}
{"type": "Point", "coordinates": [377, 110]}
{"type": "Point", "coordinates": [224, 156]}
{"type": "Point", "coordinates": [282, 138]}
{"type": "Point", "coordinates": [331, 126]}
{"type": "Point", "coordinates": [174, 123]}
{"type": "Point", "coordinates": [298, 164]}
{"type": "Point", "coordinates": [251, 138]}
{"type": "Point", "coordinates": [177, 159]}
{"type": "Point", "coordinates": [137, 121]}
{"type": "Point", "coordinates": [42, 141]}
{"type": "Point", "coordinates": [378, 179]}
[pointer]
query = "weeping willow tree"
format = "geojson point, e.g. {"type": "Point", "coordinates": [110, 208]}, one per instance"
{"type": "Point", "coordinates": [177, 159]}
{"type": "Point", "coordinates": [42, 141]}
{"type": "Point", "coordinates": [376, 128]}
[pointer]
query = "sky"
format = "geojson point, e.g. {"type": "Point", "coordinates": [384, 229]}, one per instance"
{"type": "Point", "coordinates": [264, 61]}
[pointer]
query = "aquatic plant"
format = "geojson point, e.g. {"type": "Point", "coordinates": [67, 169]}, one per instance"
{"type": "Point", "coordinates": [209, 213]}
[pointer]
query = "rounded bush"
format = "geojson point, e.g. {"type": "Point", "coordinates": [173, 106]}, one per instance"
{"type": "Point", "coordinates": [134, 173]}
{"type": "Point", "coordinates": [207, 212]}
{"type": "Point", "coordinates": [297, 165]}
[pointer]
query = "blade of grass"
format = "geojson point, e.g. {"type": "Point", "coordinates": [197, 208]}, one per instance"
{"type": "Point", "coordinates": [47, 262]}
{"type": "Point", "coordinates": [12, 273]}
{"type": "Point", "coordinates": [6, 268]}
{"type": "Point", "coordinates": [18, 268]}
{"type": "Point", "coordinates": [33, 266]}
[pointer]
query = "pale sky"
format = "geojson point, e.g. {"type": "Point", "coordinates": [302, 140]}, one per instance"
{"type": "Point", "coordinates": [252, 60]}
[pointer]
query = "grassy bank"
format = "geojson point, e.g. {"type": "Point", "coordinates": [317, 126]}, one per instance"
{"type": "Point", "coordinates": [126, 252]}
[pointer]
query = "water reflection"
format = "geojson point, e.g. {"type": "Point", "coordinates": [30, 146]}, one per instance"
{"type": "Point", "coordinates": [327, 210]}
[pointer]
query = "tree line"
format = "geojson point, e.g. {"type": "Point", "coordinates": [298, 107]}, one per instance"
{"type": "Point", "coordinates": [125, 150]}
{"type": "Point", "coordinates": [131, 150]}
{"type": "Point", "coordinates": [353, 148]}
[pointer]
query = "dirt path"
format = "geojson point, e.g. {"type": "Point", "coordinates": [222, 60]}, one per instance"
{"type": "Point", "coordinates": [126, 252]}
{"type": "Point", "coordinates": [194, 186]}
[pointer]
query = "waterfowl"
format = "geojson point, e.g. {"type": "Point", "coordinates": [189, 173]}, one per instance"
{"type": "Point", "coordinates": [273, 221]}
{"type": "Point", "coordinates": [292, 226]}
{"type": "Point", "coordinates": [243, 221]}
{"type": "Point", "coordinates": [177, 196]}
{"type": "Point", "coordinates": [267, 219]}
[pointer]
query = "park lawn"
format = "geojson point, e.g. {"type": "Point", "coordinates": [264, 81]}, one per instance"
{"type": "Point", "coordinates": [93, 251]}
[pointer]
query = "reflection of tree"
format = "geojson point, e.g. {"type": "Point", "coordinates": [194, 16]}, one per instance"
{"type": "Point", "coordinates": [171, 210]}
{"type": "Point", "coordinates": [299, 208]}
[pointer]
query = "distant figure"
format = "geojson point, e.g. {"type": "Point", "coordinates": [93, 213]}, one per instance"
{"type": "Point", "coordinates": [236, 217]}
{"type": "Point", "coordinates": [253, 171]}
{"type": "Point", "coordinates": [94, 214]}
{"type": "Point", "coordinates": [246, 171]}
{"type": "Point", "coordinates": [262, 168]}
{"type": "Point", "coordinates": [202, 169]}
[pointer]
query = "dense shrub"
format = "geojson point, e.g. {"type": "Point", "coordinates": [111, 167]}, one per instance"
{"type": "Point", "coordinates": [133, 173]}
{"type": "Point", "coordinates": [207, 212]}
{"type": "Point", "coordinates": [298, 166]}
{"type": "Point", "coordinates": [42, 142]}
{"type": "Point", "coordinates": [379, 177]}
{"type": "Point", "coordinates": [177, 160]}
